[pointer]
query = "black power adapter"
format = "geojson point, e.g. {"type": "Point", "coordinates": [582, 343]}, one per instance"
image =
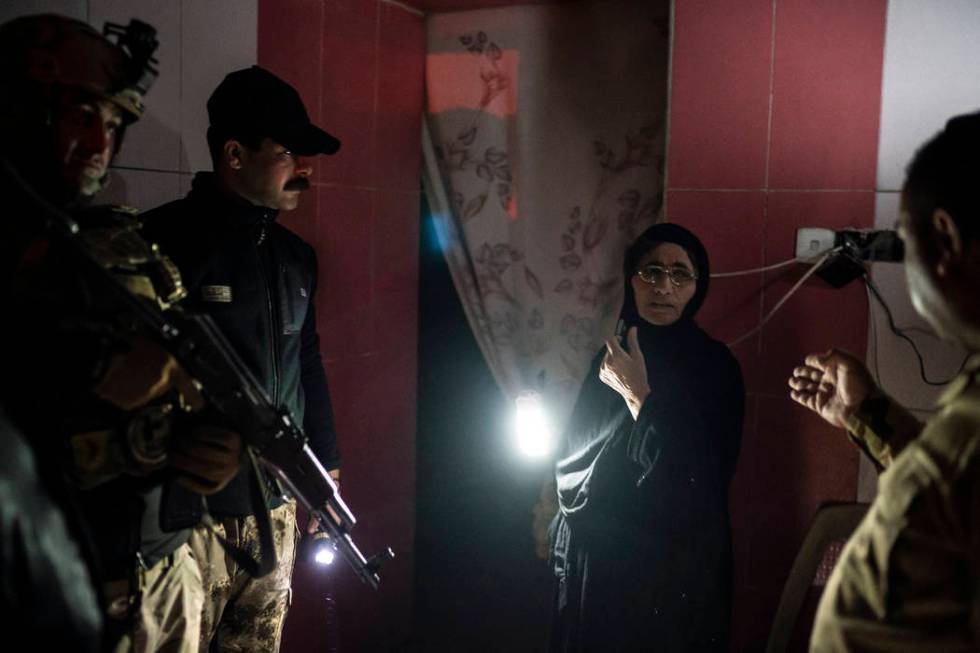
{"type": "Point", "coordinates": [856, 248]}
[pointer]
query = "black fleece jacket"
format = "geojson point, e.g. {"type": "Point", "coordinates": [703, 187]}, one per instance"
{"type": "Point", "coordinates": [257, 280]}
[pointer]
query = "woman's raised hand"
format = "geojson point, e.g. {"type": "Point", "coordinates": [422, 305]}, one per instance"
{"type": "Point", "coordinates": [625, 371]}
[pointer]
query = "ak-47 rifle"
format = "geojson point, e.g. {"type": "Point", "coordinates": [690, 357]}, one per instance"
{"type": "Point", "coordinates": [271, 434]}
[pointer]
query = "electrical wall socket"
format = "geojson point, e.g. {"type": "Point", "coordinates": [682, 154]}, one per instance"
{"type": "Point", "coordinates": [813, 241]}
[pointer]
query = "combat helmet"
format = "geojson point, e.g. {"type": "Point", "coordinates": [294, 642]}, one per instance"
{"type": "Point", "coordinates": [43, 51]}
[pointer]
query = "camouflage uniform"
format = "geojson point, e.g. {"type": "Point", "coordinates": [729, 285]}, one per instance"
{"type": "Point", "coordinates": [155, 600]}
{"type": "Point", "coordinates": [260, 604]}
{"type": "Point", "coordinates": [169, 613]}
{"type": "Point", "coordinates": [64, 333]}
{"type": "Point", "coordinates": [908, 578]}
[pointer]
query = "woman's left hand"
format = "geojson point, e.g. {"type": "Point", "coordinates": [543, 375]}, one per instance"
{"type": "Point", "coordinates": [625, 371]}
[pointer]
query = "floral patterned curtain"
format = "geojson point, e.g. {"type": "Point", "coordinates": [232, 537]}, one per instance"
{"type": "Point", "coordinates": [544, 159]}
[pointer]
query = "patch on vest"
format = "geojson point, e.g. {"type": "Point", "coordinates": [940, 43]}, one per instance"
{"type": "Point", "coordinates": [220, 294]}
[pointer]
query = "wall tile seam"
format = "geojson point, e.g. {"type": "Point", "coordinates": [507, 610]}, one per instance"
{"type": "Point", "coordinates": [323, 38]}
{"type": "Point", "coordinates": [405, 7]}
{"type": "Point", "coordinates": [353, 357]}
{"type": "Point", "coordinates": [181, 150]}
{"type": "Point", "coordinates": [366, 355]}
{"type": "Point", "coordinates": [764, 251]}
{"type": "Point", "coordinates": [157, 170]}
{"type": "Point", "coordinates": [881, 92]}
{"type": "Point", "coordinates": [376, 189]}
{"type": "Point", "coordinates": [689, 189]}
{"type": "Point", "coordinates": [670, 101]}
{"type": "Point", "coordinates": [772, 84]}
{"type": "Point", "coordinates": [377, 91]}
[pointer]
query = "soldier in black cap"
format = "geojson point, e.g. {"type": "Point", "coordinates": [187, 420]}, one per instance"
{"type": "Point", "coordinates": [258, 281]}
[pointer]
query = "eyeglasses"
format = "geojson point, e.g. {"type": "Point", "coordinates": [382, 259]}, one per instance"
{"type": "Point", "coordinates": [679, 275]}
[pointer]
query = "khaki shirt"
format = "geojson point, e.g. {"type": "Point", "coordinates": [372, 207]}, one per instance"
{"type": "Point", "coordinates": [909, 577]}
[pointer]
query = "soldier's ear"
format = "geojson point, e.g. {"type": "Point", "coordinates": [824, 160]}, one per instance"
{"type": "Point", "coordinates": [949, 242]}
{"type": "Point", "coordinates": [232, 152]}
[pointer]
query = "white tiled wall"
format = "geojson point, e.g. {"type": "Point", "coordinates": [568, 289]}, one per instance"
{"type": "Point", "coordinates": [200, 42]}
{"type": "Point", "coordinates": [895, 362]}
{"type": "Point", "coordinates": [218, 37]}
{"type": "Point", "coordinates": [141, 188]}
{"type": "Point", "coordinates": [931, 63]}
{"type": "Point", "coordinates": [154, 142]}
{"type": "Point", "coordinates": [71, 8]}
{"type": "Point", "coordinates": [930, 75]}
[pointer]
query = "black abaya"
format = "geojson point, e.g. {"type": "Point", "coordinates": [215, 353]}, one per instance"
{"type": "Point", "coordinates": [642, 544]}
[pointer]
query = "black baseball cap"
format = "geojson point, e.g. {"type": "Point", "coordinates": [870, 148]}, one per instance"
{"type": "Point", "coordinates": [255, 101]}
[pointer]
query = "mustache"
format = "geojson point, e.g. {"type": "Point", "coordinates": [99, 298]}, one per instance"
{"type": "Point", "coordinates": [299, 183]}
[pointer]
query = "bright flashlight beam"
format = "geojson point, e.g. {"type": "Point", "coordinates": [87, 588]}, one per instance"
{"type": "Point", "coordinates": [324, 555]}
{"type": "Point", "coordinates": [535, 438]}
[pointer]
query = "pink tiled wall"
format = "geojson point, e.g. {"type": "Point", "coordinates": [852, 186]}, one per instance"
{"type": "Point", "coordinates": [358, 65]}
{"type": "Point", "coordinates": [774, 126]}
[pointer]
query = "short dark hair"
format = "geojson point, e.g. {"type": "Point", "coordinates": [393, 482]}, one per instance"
{"type": "Point", "coordinates": [218, 136]}
{"type": "Point", "coordinates": [945, 174]}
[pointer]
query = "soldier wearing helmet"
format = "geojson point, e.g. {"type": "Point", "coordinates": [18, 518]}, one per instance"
{"type": "Point", "coordinates": [91, 399]}
{"type": "Point", "coordinates": [68, 93]}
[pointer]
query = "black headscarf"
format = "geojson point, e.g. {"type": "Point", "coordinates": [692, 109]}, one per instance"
{"type": "Point", "coordinates": [665, 232]}
{"type": "Point", "coordinates": [674, 354]}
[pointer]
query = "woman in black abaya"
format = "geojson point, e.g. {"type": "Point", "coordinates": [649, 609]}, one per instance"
{"type": "Point", "coordinates": [641, 546]}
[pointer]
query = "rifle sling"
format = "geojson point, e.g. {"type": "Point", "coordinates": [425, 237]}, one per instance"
{"type": "Point", "coordinates": [258, 495]}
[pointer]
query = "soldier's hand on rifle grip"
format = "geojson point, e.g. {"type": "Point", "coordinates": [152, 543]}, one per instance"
{"type": "Point", "coordinates": [314, 524]}
{"type": "Point", "coordinates": [206, 459]}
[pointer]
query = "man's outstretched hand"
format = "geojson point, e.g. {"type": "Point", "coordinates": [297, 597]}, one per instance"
{"type": "Point", "coordinates": [832, 385]}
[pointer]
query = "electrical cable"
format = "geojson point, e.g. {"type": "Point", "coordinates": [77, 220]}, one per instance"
{"type": "Point", "coordinates": [774, 266]}
{"type": "Point", "coordinates": [802, 280]}
{"type": "Point", "coordinates": [876, 373]}
{"type": "Point", "coordinates": [874, 335]}
{"type": "Point", "coordinates": [901, 334]}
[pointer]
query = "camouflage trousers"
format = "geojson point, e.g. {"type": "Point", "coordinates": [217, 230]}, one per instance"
{"type": "Point", "coordinates": [242, 613]}
{"type": "Point", "coordinates": [169, 617]}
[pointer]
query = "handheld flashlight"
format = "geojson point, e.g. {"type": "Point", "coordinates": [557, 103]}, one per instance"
{"type": "Point", "coordinates": [323, 549]}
